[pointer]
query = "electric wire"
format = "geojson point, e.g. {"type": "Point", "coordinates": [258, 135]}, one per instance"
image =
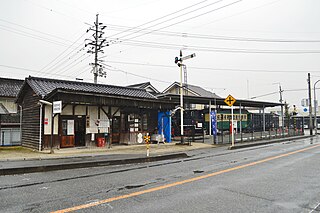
{"type": "Point", "coordinates": [170, 19]}
{"type": "Point", "coordinates": [154, 20]}
{"type": "Point", "coordinates": [188, 19]}
{"type": "Point", "coordinates": [30, 35]}
{"type": "Point", "coordinates": [37, 31]}
{"type": "Point", "coordinates": [31, 70]}
{"type": "Point", "coordinates": [56, 58]}
{"type": "Point", "coordinates": [216, 69]}
{"type": "Point", "coordinates": [214, 37]}
{"type": "Point", "coordinates": [213, 49]}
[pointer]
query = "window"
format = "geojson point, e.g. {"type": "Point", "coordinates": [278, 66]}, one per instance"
{"type": "Point", "coordinates": [67, 127]}
{"type": "Point", "coordinates": [137, 122]}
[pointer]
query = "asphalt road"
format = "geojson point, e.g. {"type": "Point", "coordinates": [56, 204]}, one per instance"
{"type": "Point", "coordinates": [274, 178]}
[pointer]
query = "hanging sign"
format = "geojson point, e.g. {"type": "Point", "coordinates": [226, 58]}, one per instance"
{"type": "Point", "coordinates": [57, 107]}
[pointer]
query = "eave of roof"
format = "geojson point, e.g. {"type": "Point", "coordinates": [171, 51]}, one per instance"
{"type": "Point", "coordinates": [217, 101]}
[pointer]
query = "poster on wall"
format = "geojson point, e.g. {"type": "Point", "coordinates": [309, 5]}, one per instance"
{"type": "Point", "coordinates": [70, 127]}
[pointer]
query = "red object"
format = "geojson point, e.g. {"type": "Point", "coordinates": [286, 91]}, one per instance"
{"type": "Point", "coordinates": [46, 121]}
{"type": "Point", "coordinates": [101, 142]}
{"type": "Point", "coordinates": [231, 128]}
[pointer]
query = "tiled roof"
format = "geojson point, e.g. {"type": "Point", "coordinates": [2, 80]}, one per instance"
{"type": "Point", "coordinates": [195, 89]}
{"type": "Point", "coordinates": [147, 86]}
{"type": "Point", "coordinates": [10, 87]}
{"type": "Point", "coordinates": [44, 86]}
{"type": "Point", "coordinates": [202, 92]}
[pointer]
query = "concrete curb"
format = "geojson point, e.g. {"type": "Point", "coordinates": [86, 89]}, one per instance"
{"type": "Point", "coordinates": [64, 166]}
{"type": "Point", "coordinates": [240, 146]}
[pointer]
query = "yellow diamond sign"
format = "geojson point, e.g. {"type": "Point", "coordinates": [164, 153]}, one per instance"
{"type": "Point", "coordinates": [230, 100]}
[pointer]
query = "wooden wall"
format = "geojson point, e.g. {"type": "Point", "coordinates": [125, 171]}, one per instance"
{"type": "Point", "coordinates": [30, 120]}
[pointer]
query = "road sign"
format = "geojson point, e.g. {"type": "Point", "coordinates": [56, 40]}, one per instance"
{"type": "Point", "coordinates": [230, 100]}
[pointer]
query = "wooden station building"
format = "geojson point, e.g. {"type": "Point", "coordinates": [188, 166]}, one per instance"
{"type": "Point", "coordinates": [89, 111]}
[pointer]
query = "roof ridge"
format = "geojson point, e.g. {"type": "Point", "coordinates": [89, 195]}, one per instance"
{"type": "Point", "coordinates": [83, 83]}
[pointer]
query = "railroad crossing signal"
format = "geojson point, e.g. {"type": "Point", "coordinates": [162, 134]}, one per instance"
{"type": "Point", "coordinates": [146, 138]}
{"type": "Point", "coordinates": [230, 100]}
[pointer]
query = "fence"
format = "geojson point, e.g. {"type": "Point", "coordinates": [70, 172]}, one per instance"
{"type": "Point", "coordinates": [291, 127]}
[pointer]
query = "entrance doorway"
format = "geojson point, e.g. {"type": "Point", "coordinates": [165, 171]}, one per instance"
{"type": "Point", "coordinates": [116, 129]}
{"type": "Point", "coordinates": [80, 130]}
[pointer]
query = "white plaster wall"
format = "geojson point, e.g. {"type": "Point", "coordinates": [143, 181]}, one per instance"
{"type": "Point", "coordinates": [47, 127]}
{"type": "Point", "coordinates": [93, 117]}
{"type": "Point", "coordinates": [104, 118]}
{"type": "Point", "coordinates": [67, 110]}
{"type": "Point", "coordinates": [47, 114]}
{"type": "Point", "coordinates": [80, 110]}
{"type": "Point", "coordinates": [113, 110]}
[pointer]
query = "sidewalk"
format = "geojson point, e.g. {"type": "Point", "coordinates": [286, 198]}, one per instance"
{"type": "Point", "coordinates": [22, 154]}
{"type": "Point", "coordinates": [18, 160]}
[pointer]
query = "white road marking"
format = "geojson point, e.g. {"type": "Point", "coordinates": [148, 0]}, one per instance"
{"type": "Point", "coordinates": [315, 208]}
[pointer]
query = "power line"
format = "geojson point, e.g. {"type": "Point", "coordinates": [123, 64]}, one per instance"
{"type": "Point", "coordinates": [30, 35]}
{"type": "Point", "coordinates": [72, 64]}
{"type": "Point", "coordinates": [37, 31]}
{"type": "Point", "coordinates": [188, 19]}
{"type": "Point", "coordinates": [175, 17]}
{"type": "Point", "coordinates": [63, 53]}
{"type": "Point", "coordinates": [214, 49]}
{"type": "Point", "coordinates": [217, 69]}
{"type": "Point", "coordinates": [215, 37]}
{"type": "Point", "coordinates": [30, 70]}
{"type": "Point", "coordinates": [165, 16]}
{"type": "Point", "coordinates": [111, 68]}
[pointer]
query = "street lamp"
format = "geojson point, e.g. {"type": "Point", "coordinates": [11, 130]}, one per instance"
{"type": "Point", "coordinates": [179, 61]}
{"type": "Point", "coordinates": [315, 107]}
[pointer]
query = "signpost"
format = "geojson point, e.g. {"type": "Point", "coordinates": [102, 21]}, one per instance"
{"type": "Point", "coordinates": [230, 101]}
{"type": "Point", "coordinates": [56, 109]}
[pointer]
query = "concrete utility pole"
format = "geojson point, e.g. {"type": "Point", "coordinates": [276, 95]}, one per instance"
{"type": "Point", "coordinates": [96, 46]}
{"type": "Point", "coordinates": [310, 105]}
{"type": "Point", "coordinates": [179, 62]}
{"type": "Point", "coordinates": [282, 115]}
{"type": "Point", "coordinates": [315, 108]}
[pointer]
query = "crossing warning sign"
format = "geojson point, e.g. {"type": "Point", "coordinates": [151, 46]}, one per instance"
{"type": "Point", "coordinates": [230, 100]}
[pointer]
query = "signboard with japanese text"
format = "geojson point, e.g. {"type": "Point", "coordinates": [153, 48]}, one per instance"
{"type": "Point", "coordinates": [214, 122]}
{"type": "Point", "coordinates": [57, 107]}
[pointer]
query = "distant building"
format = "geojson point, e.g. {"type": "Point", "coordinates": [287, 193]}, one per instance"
{"type": "Point", "coordinates": [147, 86]}
{"type": "Point", "coordinates": [9, 113]}
{"type": "Point", "coordinates": [190, 90]}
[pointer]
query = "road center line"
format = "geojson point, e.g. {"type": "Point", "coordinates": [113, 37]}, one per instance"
{"type": "Point", "coordinates": [84, 206]}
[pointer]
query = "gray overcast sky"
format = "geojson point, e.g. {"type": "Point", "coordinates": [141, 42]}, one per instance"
{"type": "Point", "coordinates": [243, 47]}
